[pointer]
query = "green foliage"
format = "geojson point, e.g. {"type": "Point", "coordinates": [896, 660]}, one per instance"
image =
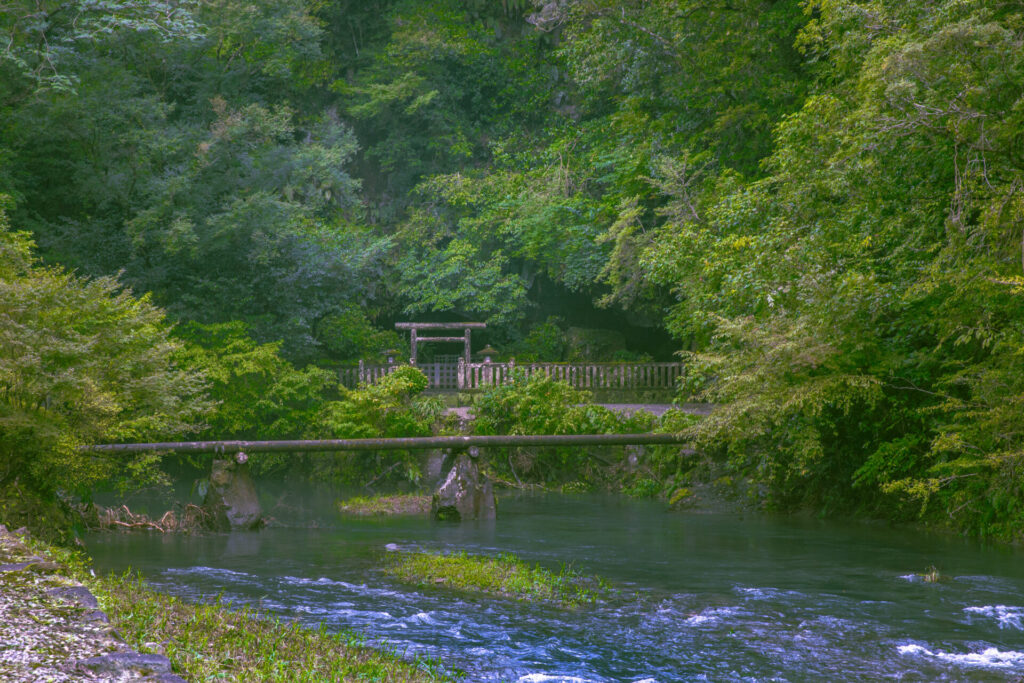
{"type": "Point", "coordinates": [544, 342]}
{"type": "Point", "coordinates": [392, 407]}
{"type": "Point", "coordinates": [462, 278]}
{"type": "Point", "coordinates": [440, 85]}
{"type": "Point", "coordinates": [279, 41]}
{"type": "Point", "coordinates": [821, 200]}
{"type": "Point", "coordinates": [681, 497]}
{"type": "Point", "coordinates": [643, 488]}
{"type": "Point", "coordinates": [589, 344]}
{"type": "Point", "coordinates": [856, 311]}
{"type": "Point", "coordinates": [259, 236]}
{"type": "Point", "coordinates": [539, 404]}
{"type": "Point", "coordinates": [48, 518]}
{"type": "Point", "coordinates": [505, 576]}
{"type": "Point", "coordinates": [193, 164]}
{"type": "Point", "coordinates": [348, 334]}
{"type": "Point", "coordinates": [82, 362]}
{"type": "Point", "coordinates": [221, 641]}
{"type": "Point", "coordinates": [42, 40]}
{"type": "Point", "coordinates": [536, 404]}
{"type": "Point", "coordinates": [258, 394]}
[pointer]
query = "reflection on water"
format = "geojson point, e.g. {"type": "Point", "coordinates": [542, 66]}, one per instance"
{"type": "Point", "coordinates": [710, 596]}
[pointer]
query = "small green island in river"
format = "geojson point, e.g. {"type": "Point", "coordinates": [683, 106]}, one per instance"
{"type": "Point", "coordinates": [505, 576]}
{"type": "Point", "coordinates": [385, 505]}
{"type": "Point", "coordinates": [279, 278]}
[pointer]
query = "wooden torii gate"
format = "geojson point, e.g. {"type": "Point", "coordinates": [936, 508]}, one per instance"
{"type": "Point", "coordinates": [415, 340]}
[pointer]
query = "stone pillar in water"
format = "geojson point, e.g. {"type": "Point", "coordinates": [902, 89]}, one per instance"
{"type": "Point", "coordinates": [634, 455]}
{"type": "Point", "coordinates": [432, 464]}
{"type": "Point", "coordinates": [464, 494]}
{"type": "Point", "coordinates": [231, 498]}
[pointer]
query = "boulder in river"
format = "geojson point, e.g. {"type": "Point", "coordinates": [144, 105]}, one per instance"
{"type": "Point", "coordinates": [231, 499]}
{"type": "Point", "coordinates": [465, 494]}
{"type": "Point", "coordinates": [433, 463]}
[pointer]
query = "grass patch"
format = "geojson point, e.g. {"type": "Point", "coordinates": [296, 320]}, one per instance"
{"type": "Point", "coordinates": [217, 642]}
{"type": "Point", "coordinates": [401, 504]}
{"type": "Point", "coordinates": [504, 576]}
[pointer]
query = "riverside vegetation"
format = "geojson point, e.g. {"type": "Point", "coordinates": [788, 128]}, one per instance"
{"type": "Point", "coordinates": [817, 204]}
{"type": "Point", "coordinates": [213, 641]}
{"type": "Point", "coordinates": [505, 576]}
{"type": "Point", "coordinates": [218, 641]}
{"type": "Point", "coordinates": [399, 504]}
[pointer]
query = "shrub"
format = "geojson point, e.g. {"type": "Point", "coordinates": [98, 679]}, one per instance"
{"type": "Point", "coordinates": [259, 394]}
{"type": "Point", "coordinates": [544, 342]}
{"type": "Point", "coordinates": [348, 334]}
{"type": "Point", "coordinates": [541, 405]}
{"type": "Point", "coordinates": [82, 361]}
{"type": "Point", "coordinates": [392, 407]}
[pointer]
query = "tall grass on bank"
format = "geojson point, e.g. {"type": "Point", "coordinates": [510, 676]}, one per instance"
{"type": "Point", "coordinates": [215, 642]}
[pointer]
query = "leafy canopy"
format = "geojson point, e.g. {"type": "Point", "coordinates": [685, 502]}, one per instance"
{"type": "Point", "coordinates": [82, 362]}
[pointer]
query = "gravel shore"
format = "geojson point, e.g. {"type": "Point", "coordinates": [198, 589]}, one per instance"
{"type": "Point", "coordinates": [51, 628]}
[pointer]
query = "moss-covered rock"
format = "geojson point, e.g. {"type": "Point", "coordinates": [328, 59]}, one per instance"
{"type": "Point", "coordinates": [231, 498]}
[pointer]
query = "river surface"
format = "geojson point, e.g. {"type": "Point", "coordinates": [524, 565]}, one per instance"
{"type": "Point", "coordinates": [701, 596]}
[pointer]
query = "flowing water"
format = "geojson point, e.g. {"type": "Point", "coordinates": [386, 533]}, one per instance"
{"type": "Point", "coordinates": [701, 596]}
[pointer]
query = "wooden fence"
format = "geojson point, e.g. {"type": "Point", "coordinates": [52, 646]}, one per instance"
{"type": "Point", "coordinates": [464, 376]}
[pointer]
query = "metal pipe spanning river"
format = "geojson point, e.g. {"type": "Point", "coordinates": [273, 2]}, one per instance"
{"type": "Point", "coordinates": [394, 444]}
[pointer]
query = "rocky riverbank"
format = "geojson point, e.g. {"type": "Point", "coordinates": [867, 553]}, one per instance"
{"type": "Point", "coordinates": [51, 627]}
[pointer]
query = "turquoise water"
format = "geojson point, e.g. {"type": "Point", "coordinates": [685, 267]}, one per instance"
{"type": "Point", "coordinates": [701, 596]}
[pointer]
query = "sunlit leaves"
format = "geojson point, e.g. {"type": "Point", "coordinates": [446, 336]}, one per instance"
{"type": "Point", "coordinates": [81, 361]}
{"type": "Point", "coordinates": [43, 39]}
{"type": "Point", "coordinates": [857, 309]}
{"type": "Point", "coordinates": [257, 393]}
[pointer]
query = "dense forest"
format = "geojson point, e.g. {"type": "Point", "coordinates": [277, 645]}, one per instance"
{"type": "Point", "coordinates": [819, 203]}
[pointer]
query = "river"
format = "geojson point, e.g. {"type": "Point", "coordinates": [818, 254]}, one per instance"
{"type": "Point", "coordinates": [701, 596]}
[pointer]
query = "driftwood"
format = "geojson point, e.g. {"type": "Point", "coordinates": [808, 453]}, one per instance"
{"type": "Point", "coordinates": [190, 519]}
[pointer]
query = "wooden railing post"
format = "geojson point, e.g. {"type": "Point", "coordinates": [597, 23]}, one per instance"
{"type": "Point", "coordinates": [470, 376]}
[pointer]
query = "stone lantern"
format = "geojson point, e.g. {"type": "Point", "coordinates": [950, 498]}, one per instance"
{"type": "Point", "coordinates": [488, 353]}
